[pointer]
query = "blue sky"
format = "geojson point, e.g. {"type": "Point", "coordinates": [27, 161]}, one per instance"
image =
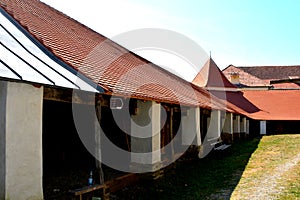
{"type": "Point", "coordinates": [243, 33]}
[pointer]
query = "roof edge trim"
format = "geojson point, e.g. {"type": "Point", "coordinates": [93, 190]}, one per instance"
{"type": "Point", "coordinates": [49, 53]}
{"type": "Point", "coordinates": [226, 89]}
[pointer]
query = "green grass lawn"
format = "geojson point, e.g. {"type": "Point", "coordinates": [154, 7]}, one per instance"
{"type": "Point", "coordinates": [226, 175]}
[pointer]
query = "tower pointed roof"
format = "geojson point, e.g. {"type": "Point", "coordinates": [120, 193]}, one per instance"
{"type": "Point", "coordinates": [212, 78]}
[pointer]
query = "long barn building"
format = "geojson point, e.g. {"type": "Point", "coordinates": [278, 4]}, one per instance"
{"type": "Point", "coordinates": [69, 95]}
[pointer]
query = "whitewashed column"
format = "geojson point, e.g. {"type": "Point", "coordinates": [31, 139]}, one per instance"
{"type": "Point", "coordinates": [191, 127]}
{"type": "Point", "coordinates": [247, 126]}
{"type": "Point", "coordinates": [244, 125]}
{"type": "Point", "coordinates": [228, 128]}
{"type": "Point", "coordinates": [263, 127]}
{"type": "Point", "coordinates": [236, 124]}
{"type": "Point", "coordinates": [145, 132]}
{"type": "Point", "coordinates": [214, 126]}
{"type": "Point", "coordinates": [228, 125]}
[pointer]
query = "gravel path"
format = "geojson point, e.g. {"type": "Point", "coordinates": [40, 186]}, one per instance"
{"type": "Point", "coordinates": [266, 187]}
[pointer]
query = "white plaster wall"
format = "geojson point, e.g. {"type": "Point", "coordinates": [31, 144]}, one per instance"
{"type": "Point", "coordinates": [3, 91]}
{"type": "Point", "coordinates": [23, 151]}
{"type": "Point", "coordinates": [191, 127]}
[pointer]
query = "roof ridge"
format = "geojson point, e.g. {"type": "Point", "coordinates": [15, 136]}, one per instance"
{"type": "Point", "coordinates": [106, 64]}
{"type": "Point", "coordinates": [267, 66]}
{"type": "Point", "coordinates": [70, 18]}
{"type": "Point", "coordinates": [117, 44]}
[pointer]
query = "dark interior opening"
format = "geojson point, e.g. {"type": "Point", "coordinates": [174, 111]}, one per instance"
{"type": "Point", "coordinates": [254, 128]}
{"type": "Point", "coordinates": [62, 147]}
{"type": "Point", "coordinates": [204, 115]}
{"type": "Point", "coordinates": [116, 126]}
{"type": "Point", "coordinates": [171, 131]}
{"type": "Point", "coordinates": [283, 127]}
{"type": "Point", "coordinates": [66, 161]}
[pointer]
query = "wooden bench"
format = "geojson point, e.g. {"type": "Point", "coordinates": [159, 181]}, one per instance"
{"type": "Point", "coordinates": [109, 186]}
{"type": "Point", "coordinates": [214, 141]}
{"type": "Point", "coordinates": [222, 147]}
{"type": "Point", "coordinates": [80, 191]}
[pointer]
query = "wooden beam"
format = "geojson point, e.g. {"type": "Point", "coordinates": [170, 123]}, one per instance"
{"type": "Point", "coordinates": [70, 95]}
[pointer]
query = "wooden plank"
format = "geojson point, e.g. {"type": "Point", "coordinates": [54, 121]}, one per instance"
{"type": "Point", "coordinates": [109, 186]}
{"type": "Point", "coordinates": [223, 147]}
{"type": "Point", "coordinates": [87, 189]}
{"type": "Point", "coordinates": [121, 182]}
{"type": "Point", "coordinates": [214, 143]}
{"type": "Point", "coordinates": [212, 139]}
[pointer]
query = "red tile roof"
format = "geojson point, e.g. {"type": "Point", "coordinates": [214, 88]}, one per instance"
{"type": "Point", "coordinates": [273, 72]}
{"type": "Point", "coordinates": [113, 67]}
{"type": "Point", "coordinates": [261, 105]}
{"type": "Point", "coordinates": [275, 104]}
{"type": "Point", "coordinates": [210, 76]}
{"type": "Point", "coordinates": [236, 101]}
{"type": "Point", "coordinates": [245, 78]}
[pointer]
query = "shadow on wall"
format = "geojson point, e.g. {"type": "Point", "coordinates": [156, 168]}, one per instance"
{"type": "Point", "coordinates": [214, 177]}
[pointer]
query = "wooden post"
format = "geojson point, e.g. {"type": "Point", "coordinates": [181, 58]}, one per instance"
{"type": "Point", "coordinates": [171, 132]}
{"type": "Point", "coordinates": [98, 142]}
{"type": "Point", "coordinates": [214, 128]}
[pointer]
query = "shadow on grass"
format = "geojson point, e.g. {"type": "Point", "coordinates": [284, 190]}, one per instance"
{"type": "Point", "coordinates": [213, 177]}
